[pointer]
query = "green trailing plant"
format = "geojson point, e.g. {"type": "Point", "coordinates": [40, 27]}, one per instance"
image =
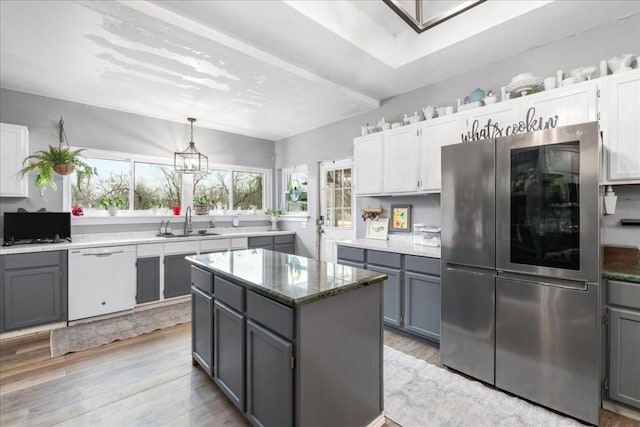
{"type": "Point", "coordinates": [46, 163]}
{"type": "Point", "coordinates": [107, 202]}
{"type": "Point", "coordinates": [202, 201]}
{"type": "Point", "coordinates": [273, 212]}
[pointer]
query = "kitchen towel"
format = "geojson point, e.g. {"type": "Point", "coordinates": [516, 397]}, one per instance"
{"type": "Point", "coordinates": [92, 334]}
{"type": "Point", "coordinates": [417, 394]}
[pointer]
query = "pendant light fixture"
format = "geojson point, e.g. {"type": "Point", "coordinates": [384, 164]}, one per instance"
{"type": "Point", "coordinates": [190, 160]}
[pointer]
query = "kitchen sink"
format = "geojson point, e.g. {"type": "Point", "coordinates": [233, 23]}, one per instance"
{"type": "Point", "coordinates": [208, 233]}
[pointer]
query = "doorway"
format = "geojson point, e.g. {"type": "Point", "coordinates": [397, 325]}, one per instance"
{"type": "Point", "coordinates": [337, 206]}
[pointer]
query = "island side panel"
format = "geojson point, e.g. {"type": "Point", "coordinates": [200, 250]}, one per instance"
{"type": "Point", "coordinates": [339, 359]}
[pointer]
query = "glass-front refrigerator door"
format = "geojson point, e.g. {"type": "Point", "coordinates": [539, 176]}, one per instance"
{"type": "Point", "coordinates": [546, 203]}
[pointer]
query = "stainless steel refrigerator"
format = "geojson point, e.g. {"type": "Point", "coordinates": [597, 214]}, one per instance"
{"type": "Point", "coordinates": [520, 264]}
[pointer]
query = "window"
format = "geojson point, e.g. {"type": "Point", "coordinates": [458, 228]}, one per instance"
{"type": "Point", "coordinates": [112, 180]}
{"type": "Point", "coordinates": [151, 185]}
{"type": "Point", "coordinates": [338, 198]}
{"type": "Point", "coordinates": [156, 186]}
{"type": "Point", "coordinates": [295, 190]}
{"type": "Point", "coordinates": [214, 187]}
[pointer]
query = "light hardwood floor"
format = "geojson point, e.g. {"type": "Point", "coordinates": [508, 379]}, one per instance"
{"type": "Point", "coordinates": [143, 381]}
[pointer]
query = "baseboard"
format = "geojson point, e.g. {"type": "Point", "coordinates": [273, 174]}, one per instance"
{"type": "Point", "coordinates": [620, 409]}
{"type": "Point", "coordinates": [136, 309]}
{"type": "Point", "coordinates": [378, 421]}
{"type": "Point", "coordinates": [32, 331]}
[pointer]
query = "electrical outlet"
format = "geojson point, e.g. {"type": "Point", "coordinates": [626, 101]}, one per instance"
{"type": "Point", "coordinates": [303, 224]}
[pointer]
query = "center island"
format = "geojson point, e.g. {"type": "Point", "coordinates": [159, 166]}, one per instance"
{"type": "Point", "coordinates": [290, 340]}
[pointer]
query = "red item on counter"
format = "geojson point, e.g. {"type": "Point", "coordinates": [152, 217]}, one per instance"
{"type": "Point", "coordinates": [76, 210]}
{"type": "Point", "coordinates": [176, 210]}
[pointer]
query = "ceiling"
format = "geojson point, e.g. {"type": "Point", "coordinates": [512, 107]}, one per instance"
{"type": "Point", "coordinates": [264, 68]}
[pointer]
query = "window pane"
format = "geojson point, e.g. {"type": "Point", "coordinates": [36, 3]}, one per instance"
{"type": "Point", "coordinates": [112, 181]}
{"type": "Point", "coordinates": [347, 178]}
{"type": "Point", "coordinates": [155, 186]}
{"type": "Point", "coordinates": [297, 192]}
{"type": "Point", "coordinates": [330, 178]}
{"type": "Point", "coordinates": [337, 198]}
{"type": "Point", "coordinates": [247, 190]}
{"type": "Point", "coordinates": [339, 178]}
{"type": "Point", "coordinates": [213, 187]}
{"type": "Point", "coordinates": [347, 198]}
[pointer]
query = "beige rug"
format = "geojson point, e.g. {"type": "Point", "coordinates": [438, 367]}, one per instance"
{"type": "Point", "coordinates": [93, 334]}
{"type": "Point", "coordinates": [417, 394]}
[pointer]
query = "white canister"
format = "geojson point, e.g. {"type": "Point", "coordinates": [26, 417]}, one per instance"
{"type": "Point", "coordinates": [559, 75]}
{"type": "Point", "coordinates": [550, 83]}
{"type": "Point", "coordinates": [604, 68]}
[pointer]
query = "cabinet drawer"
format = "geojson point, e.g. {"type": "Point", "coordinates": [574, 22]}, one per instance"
{"type": "Point", "coordinates": [214, 245]}
{"type": "Point", "coordinates": [625, 294]}
{"type": "Point", "coordinates": [421, 264]}
{"type": "Point", "coordinates": [271, 314]}
{"type": "Point", "coordinates": [181, 247]}
{"type": "Point", "coordinates": [239, 243]}
{"type": "Point", "coordinates": [350, 254]}
{"type": "Point", "coordinates": [287, 238]}
{"type": "Point", "coordinates": [37, 259]}
{"type": "Point", "coordinates": [202, 279]}
{"type": "Point", "coordinates": [385, 259]}
{"type": "Point", "coordinates": [229, 293]}
{"type": "Point", "coordinates": [149, 250]}
{"type": "Point", "coordinates": [260, 241]}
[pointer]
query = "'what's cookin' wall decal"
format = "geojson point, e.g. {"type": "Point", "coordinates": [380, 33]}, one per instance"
{"type": "Point", "coordinates": [495, 130]}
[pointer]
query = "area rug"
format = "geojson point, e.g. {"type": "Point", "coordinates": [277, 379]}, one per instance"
{"type": "Point", "coordinates": [87, 335]}
{"type": "Point", "coordinates": [417, 394]}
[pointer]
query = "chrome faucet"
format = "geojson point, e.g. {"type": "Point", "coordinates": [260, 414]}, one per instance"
{"type": "Point", "coordinates": [187, 221]}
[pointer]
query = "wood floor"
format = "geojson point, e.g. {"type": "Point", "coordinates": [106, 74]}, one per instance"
{"type": "Point", "coordinates": [143, 381]}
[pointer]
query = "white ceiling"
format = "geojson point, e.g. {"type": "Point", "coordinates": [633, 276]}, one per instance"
{"type": "Point", "coordinates": [265, 68]}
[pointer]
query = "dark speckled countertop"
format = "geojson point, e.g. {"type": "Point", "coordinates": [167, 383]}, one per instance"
{"type": "Point", "coordinates": [290, 279]}
{"type": "Point", "coordinates": [628, 274]}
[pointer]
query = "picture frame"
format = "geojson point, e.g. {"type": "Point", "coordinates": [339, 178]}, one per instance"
{"type": "Point", "coordinates": [377, 228]}
{"type": "Point", "coordinates": [401, 218]}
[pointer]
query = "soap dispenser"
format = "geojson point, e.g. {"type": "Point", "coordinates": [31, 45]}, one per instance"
{"type": "Point", "coordinates": [610, 200]}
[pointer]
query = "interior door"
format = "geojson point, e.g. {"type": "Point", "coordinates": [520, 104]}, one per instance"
{"type": "Point", "coordinates": [337, 206]}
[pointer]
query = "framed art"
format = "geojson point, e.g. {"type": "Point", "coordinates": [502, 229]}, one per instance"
{"type": "Point", "coordinates": [377, 228]}
{"type": "Point", "coordinates": [401, 218]}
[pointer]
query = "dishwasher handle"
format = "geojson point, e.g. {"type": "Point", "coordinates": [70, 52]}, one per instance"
{"type": "Point", "coordinates": [103, 254]}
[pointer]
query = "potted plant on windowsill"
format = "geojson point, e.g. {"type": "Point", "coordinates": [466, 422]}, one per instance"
{"type": "Point", "coordinates": [111, 204]}
{"type": "Point", "coordinates": [274, 214]}
{"type": "Point", "coordinates": [202, 206]}
{"type": "Point", "coordinates": [61, 160]}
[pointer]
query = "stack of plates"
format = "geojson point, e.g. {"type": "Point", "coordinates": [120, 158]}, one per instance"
{"type": "Point", "coordinates": [524, 83]}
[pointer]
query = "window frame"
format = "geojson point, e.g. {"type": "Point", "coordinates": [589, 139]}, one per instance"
{"type": "Point", "coordinates": [284, 181]}
{"type": "Point", "coordinates": [186, 182]}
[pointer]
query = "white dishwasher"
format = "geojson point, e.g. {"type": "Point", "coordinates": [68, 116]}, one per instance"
{"type": "Point", "coordinates": [101, 281]}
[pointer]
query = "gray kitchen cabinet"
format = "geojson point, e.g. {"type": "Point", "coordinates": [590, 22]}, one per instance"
{"type": "Point", "coordinates": [202, 328]}
{"type": "Point", "coordinates": [177, 274]}
{"type": "Point", "coordinates": [624, 354]}
{"type": "Point", "coordinates": [280, 243]}
{"type": "Point", "coordinates": [228, 350]}
{"type": "Point", "coordinates": [264, 242]}
{"type": "Point", "coordinates": [288, 248]}
{"type": "Point", "coordinates": [147, 279]}
{"type": "Point", "coordinates": [392, 294]}
{"type": "Point", "coordinates": [269, 378]}
{"type": "Point", "coordinates": [352, 257]}
{"type": "Point", "coordinates": [33, 289]}
{"type": "Point", "coordinates": [422, 304]}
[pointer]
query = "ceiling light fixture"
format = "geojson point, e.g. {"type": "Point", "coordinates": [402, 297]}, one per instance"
{"type": "Point", "coordinates": [190, 160]}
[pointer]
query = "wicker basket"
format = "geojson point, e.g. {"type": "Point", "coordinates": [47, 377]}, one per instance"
{"type": "Point", "coordinates": [64, 168]}
{"type": "Point", "coordinates": [202, 210]}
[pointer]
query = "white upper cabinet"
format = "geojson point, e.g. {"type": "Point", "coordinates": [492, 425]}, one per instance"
{"type": "Point", "coordinates": [491, 121]}
{"type": "Point", "coordinates": [562, 107]}
{"type": "Point", "coordinates": [620, 124]}
{"type": "Point", "coordinates": [14, 147]}
{"type": "Point", "coordinates": [401, 160]}
{"type": "Point", "coordinates": [368, 159]}
{"type": "Point", "coordinates": [434, 134]}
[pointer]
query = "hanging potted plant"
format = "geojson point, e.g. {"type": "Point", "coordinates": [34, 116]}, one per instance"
{"type": "Point", "coordinates": [61, 160]}
{"type": "Point", "coordinates": [111, 204]}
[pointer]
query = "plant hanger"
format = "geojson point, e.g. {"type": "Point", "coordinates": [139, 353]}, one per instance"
{"type": "Point", "coordinates": [63, 168]}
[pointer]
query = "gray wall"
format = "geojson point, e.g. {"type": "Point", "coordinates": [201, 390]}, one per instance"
{"type": "Point", "coordinates": [628, 206]}
{"type": "Point", "coordinates": [105, 129]}
{"type": "Point", "coordinates": [335, 141]}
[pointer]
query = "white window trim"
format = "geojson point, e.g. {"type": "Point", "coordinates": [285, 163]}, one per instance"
{"type": "Point", "coordinates": [134, 216]}
{"type": "Point", "coordinates": [282, 199]}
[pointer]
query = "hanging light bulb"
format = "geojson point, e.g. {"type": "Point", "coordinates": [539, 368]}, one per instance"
{"type": "Point", "coordinates": [190, 160]}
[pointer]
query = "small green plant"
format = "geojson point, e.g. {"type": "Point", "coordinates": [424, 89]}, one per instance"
{"type": "Point", "coordinates": [61, 160]}
{"type": "Point", "coordinates": [272, 212]}
{"type": "Point", "coordinates": [107, 202]}
{"type": "Point", "coordinates": [202, 201]}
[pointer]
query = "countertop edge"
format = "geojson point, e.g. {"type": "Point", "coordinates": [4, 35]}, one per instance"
{"type": "Point", "coordinates": [49, 247]}
{"type": "Point", "coordinates": [292, 302]}
{"type": "Point", "coordinates": [408, 250]}
{"type": "Point", "coordinates": [627, 275]}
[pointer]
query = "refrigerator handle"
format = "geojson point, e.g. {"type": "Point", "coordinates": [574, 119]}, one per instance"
{"type": "Point", "coordinates": [544, 281]}
{"type": "Point", "coordinates": [467, 269]}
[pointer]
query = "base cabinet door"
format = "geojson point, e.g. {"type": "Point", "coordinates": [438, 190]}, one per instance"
{"type": "Point", "coordinates": [624, 356]}
{"type": "Point", "coordinates": [228, 350]}
{"type": "Point", "coordinates": [392, 295]}
{"type": "Point", "coordinates": [269, 378]}
{"type": "Point", "coordinates": [32, 297]}
{"type": "Point", "coordinates": [177, 275]}
{"type": "Point", "coordinates": [148, 279]}
{"type": "Point", "coordinates": [287, 248]}
{"type": "Point", "coordinates": [202, 328]}
{"type": "Point", "coordinates": [422, 304]}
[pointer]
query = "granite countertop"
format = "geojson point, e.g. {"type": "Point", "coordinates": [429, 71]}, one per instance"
{"type": "Point", "coordinates": [115, 239]}
{"type": "Point", "coordinates": [628, 274]}
{"type": "Point", "coordinates": [397, 246]}
{"type": "Point", "coordinates": [290, 279]}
